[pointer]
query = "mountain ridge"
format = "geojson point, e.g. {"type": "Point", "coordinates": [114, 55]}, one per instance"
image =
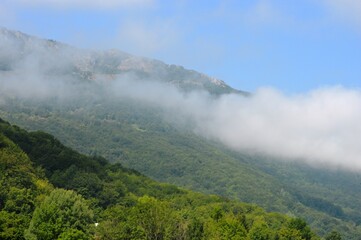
{"type": "Point", "coordinates": [109, 64]}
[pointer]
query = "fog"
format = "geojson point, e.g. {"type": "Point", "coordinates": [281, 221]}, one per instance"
{"type": "Point", "coordinates": [321, 127]}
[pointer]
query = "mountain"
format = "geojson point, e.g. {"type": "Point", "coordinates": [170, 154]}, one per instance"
{"type": "Point", "coordinates": [123, 203]}
{"type": "Point", "coordinates": [19, 48]}
{"type": "Point", "coordinates": [64, 91]}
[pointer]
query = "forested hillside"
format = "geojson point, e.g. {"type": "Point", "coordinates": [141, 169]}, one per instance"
{"type": "Point", "coordinates": [49, 191]}
{"type": "Point", "coordinates": [135, 135]}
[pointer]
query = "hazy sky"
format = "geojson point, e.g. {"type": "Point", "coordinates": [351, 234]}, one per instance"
{"type": "Point", "coordinates": [292, 45]}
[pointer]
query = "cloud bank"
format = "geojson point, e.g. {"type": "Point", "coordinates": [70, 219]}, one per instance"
{"type": "Point", "coordinates": [321, 127]}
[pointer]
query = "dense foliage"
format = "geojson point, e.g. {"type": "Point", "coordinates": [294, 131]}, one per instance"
{"type": "Point", "coordinates": [21, 186]}
{"type": "Point", "coordinates": [136, 135]}
{"type": "Point", "coordinates": [95, 199]}
{"type": "Point", "coordinates": [59, 215]}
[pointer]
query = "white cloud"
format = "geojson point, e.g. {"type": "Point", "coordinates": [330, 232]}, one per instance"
{"type": "Point", "coordinates": [321, 127]}
{"type": "Point", "coordinates": [349, 10]}
{"type": "Point", "coordinates": [263, 12]}
{"type": "Point", "coordinates": [102, 4]}
{"type": "Point", "coordinates": [146, 38]}
{"type": "Point", "coordinates": [258, 13]}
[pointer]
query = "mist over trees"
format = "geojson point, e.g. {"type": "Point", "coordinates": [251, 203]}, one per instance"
{"type": "Point", "coordinates": [266, 121]}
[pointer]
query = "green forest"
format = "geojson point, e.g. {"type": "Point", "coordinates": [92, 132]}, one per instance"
{"type": "Point", "coordinates": [49, 191]}
{"type": "Point", "coordinates": [138, 136]}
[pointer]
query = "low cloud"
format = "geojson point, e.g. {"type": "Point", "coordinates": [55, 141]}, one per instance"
{"type": "Point", "coordinates": [320, 128]}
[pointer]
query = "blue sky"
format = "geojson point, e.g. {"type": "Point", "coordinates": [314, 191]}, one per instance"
{"type": "Point", "coordinates": [292, 45]}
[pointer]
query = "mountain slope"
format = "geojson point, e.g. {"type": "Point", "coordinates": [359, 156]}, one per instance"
{"type": "Point", "coordinates": [127, 204]}
{"type": "Point", "coordinates": [187, 160]}
{"type": "Point", "coordinates": [17, 48]}
{"type": "Point", "coordinates": [21, 186]}
{"type": "Point", "coordinates": [139, 135]}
